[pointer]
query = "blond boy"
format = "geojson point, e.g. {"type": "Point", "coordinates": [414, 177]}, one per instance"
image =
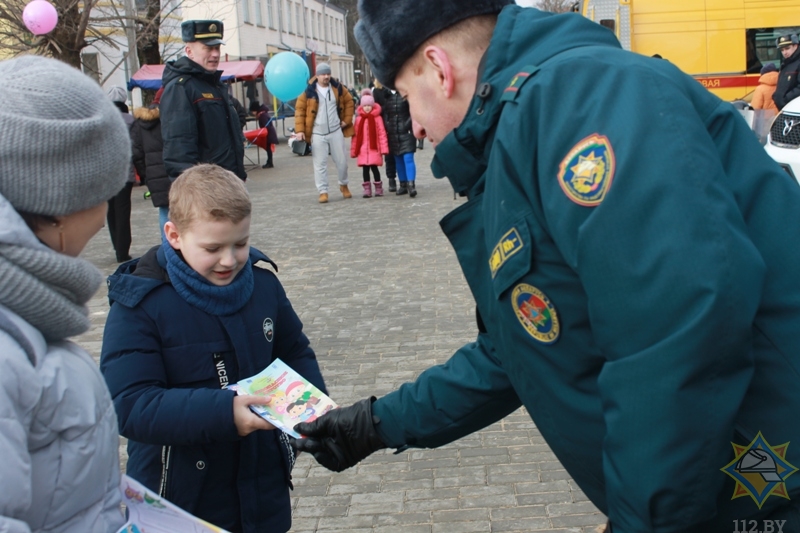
{"type": "Point", "coordinates": [190, 317]}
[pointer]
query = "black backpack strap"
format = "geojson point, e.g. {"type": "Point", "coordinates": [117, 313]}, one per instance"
{"type": "Point", "coordinates": [11, 329]}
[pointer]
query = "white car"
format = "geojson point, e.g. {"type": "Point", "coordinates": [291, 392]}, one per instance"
{"type": "Point", "coordinates": [783, 141]}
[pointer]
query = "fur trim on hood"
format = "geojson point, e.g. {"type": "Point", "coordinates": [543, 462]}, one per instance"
{"type": "Point", "coordinates": [146, 113]}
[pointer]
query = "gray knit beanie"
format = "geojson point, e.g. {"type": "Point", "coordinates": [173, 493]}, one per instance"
{"type": "Point", "coordinates": [323, 68]}
{"type": "Point", "coordinates": [390, 31]}
{"type": "Point", "coordinates": [117, 94]}
{"type": "Point", "coordinates": [63, 145]}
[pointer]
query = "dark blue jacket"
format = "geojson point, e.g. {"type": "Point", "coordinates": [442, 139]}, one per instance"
{"type": "Point", "coordinates": [632, 252]}
{"type": "Point", "coordinates": [167, 364]}
{"type": "Point", "coordinates": [198, 121]}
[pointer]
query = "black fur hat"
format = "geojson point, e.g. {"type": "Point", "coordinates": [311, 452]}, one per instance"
{"type": "Point", "coordinates": [390, 31]}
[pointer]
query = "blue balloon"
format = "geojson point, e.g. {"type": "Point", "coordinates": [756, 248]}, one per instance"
{"type": "Point", "coordinates": [287, 75]}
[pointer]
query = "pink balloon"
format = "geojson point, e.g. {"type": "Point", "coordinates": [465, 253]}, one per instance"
{"type": "Point", "coordinates": [40, 17]}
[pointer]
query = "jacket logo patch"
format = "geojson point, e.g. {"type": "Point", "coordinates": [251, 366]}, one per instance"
{"type": "Point", "coordinates": [586, 173]}
{"type": "Point", "coordinates": [509, 244]}
{"type": "Point", "coordinates": [269, 329]}
{"type": "Point", "coordinates": [208, 95]}
{"type": "Point", "coordinates": [760, 470]}
{"type": "Point", "coordinates": [536, 313]}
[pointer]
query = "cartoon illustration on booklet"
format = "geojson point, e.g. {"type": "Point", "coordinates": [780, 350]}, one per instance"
{"type": "Point", "coordinates": [291, 398]}
{"type": "Point", "coordinates": [150, 513]}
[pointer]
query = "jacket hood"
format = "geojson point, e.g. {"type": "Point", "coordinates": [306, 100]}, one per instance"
{"type": "Point", "coordinates": [135, 279]}
{"type": "Point", "coordinates": [770, 78]}
{"type": "Point", "coordinates": [523, 37]}
{"type": "Point", "coordinates": [186, 67]}
{"type": "Point", "coordinates": [147, 114]}
{"type": "Point", "coordinates": [311, 89]}
{"type": "Point", "coordinates": [376, 110]}
{"type": "Point", "coordinates": [14, 230]}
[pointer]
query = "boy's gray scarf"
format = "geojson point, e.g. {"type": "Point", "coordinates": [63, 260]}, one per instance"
{"type": "Point", "coordinates": [47, 289]}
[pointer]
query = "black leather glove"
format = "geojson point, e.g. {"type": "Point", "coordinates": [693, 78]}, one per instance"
{"type": "Point", "coordinates": [341, 438]}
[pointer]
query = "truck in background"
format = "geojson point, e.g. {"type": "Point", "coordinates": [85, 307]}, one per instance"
{"type": "Point", "coordinates": [721, 43]}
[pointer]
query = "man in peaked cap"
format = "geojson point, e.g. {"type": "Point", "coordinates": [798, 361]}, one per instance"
{"type": "Point", "coordinates": [788, 88]}
{"type": "Point", "coordinates": [632, 251]}
{"type": "Point", "coordinates": [198, 121]}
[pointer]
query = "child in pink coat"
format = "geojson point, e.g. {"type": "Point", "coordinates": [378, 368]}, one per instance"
{"type": "Point", "coordinates": [370, 143]}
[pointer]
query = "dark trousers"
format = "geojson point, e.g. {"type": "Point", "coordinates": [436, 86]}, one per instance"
{"type": "Point", "coordinates": [119, 222]}
{"type": "Point", "coordinates": [375, 172]}
{"type": "Point", "coordinates": [391, 169]}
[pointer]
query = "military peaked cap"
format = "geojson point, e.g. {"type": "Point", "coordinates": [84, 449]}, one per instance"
{"type": "Point", "coordinates": [206, 31]}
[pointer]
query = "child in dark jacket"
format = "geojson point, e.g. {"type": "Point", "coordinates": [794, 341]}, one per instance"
{"type": "Point", "coordinates": [189, 318]}
{"type": "Point", "coordinates": [148, 146]}
{"type": "Point", "coordinates": [265, 137]}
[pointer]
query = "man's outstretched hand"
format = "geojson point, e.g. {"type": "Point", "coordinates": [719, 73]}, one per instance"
{"type": "Point", "coordinates": [341, 438]}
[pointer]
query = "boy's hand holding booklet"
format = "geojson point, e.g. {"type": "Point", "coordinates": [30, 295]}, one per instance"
{"type": "Point", "coordinates": [290, 398]}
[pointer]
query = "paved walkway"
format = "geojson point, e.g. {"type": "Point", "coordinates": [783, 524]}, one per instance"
{"type": "Point", "coordinates": [382, 298]}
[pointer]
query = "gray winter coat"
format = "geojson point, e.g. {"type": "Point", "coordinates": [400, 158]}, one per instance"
{"type": "Point", "coordinates": [59, 458]}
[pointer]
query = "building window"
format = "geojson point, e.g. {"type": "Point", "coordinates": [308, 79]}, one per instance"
{"type": "Point", "coordinates": [259, 17]}
{"type": "Point", "coordinates": [246, 10]}
{"type": "Point", "coordinates": [91, 66]}
{"type": "Point", "coordinates": [298, 16]}
{"type": "Point", "coordinates": [289, 16]}
{"type": "Point", "coordinates": [270, 20]}
{"type": "Point", "coordinates": [321, 35]}
{"type": "Point", "coordinates": [305, 22]}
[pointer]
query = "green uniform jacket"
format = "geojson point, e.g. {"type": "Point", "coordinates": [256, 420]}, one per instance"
{"type": "Point", "coordinates": [634, 255]}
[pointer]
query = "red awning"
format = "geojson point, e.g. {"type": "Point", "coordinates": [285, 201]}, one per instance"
{"type": "Point", "coordinates": [149, 76]}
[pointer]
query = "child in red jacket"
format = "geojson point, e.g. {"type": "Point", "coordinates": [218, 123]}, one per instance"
{"type": "Point", "coordinates": [370, 143]}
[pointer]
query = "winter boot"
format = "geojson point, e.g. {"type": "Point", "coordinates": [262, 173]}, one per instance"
{"type": "Point", "coordinates": [367, 189]}
{"type": "Point", "coordinates": [412, 189]}
{"type": "Point", "coordinates": [345, 191]}
{"type": "Point", "coordinates": [392, 185]}
{"type": "Point", "coordinates": [402, 189]}
{"type": "Point", "coordinates": [378, 188]}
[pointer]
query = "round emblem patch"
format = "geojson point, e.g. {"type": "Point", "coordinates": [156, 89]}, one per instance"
{"type": "Point", "coordinates": [536, 313]}
{"type": "Point", "coordinates": [586, 173]}
{"type": "Point", "coordinates": [269, 329]}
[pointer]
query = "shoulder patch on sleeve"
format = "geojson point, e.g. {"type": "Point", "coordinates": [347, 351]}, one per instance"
{"type": "Point", "coordinates": [516, 83]}
{"type": "Point", "coordinates": [586, 172]}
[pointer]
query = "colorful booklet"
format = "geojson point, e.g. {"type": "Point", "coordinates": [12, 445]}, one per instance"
{"type": "Point", "coordinates": [291, 399]}
{"type": "Point", "coordinates": [149, 513]}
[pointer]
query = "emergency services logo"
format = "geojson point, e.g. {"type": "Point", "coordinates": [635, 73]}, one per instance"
{"type": "Point", "coordinates": [536, 313]}
{"type": "Point", "coordinates": [269, 329]}
{"type": "Point", "coordinates": [509, 244]}
{"type": "Point", "coordinates": [760, 470]}
{"type": "Point", "coordinates": [587, 171]}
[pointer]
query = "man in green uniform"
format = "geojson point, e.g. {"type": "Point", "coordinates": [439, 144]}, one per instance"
{"type": "Point", "coordinates": [634, 257]}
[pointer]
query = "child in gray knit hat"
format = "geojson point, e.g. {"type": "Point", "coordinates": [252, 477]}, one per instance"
{"type": "Point", "coordinates": [64, 152]}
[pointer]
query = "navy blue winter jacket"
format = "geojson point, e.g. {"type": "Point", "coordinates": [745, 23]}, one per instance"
{"type": "Point", "coordinates": [168, 364]}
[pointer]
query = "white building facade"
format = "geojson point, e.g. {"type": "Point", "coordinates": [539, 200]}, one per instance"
{"type": "Point", "coordinates": [254, 29]}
